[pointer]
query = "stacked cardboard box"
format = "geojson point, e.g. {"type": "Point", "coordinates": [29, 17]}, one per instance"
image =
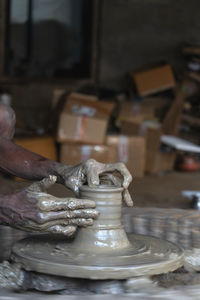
{"type": "Point", "coordinates": [157, 160]}
{"type": "Point", "coordinates": [73, 154]}
{"type": "Point", "coordinates": [84, 119]}
{"type": "Point", "coordinates": [142, 122]}
{"type": "Point", "coordinates": [82, 134]}
{"type": "Point", "coordinates": [131, 151]}
{"type": "Point", "coordinates": [154, 80]}
{"type": "Point", "coordinates": [82, 129]}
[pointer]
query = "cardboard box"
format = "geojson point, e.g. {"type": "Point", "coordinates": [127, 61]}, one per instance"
{"type": "Point", "coordinates": [152, 148]}
{"type": "Point", "coordinates": [73, 153]}
{"type": "Point", "coordinates": [129, 110]}
{"type": "Point", "coordinates": [131, 127]}
{"type": "Point", "coordinates": [86, 105]}
{"type": "Point", "coordinates": [131, 151]}
{"type": "Point", "coordinates": [81, 129]}
{"type": "Point", "coordinates": [153, 137]}
{"type": "Point", "coordinates": [161, 162]}
{"type": "Point", "coordinates": [137, 127]}
{"type": "Point", "coordinates": [139, 111]}
{"type": "Point", "coordinates": [43, 145]}
{"type": "Point", "coordinates": [157, 161]}
{"type": "Point", "coordinates": [151, 107]}
{"type": "Point", "coordinates": [130, 118]}
{"type": "Point", "coordinates": [84, 120]}
{"type": "Point", "coordinates": [154, 80]}
{"type": "Point", "coordinates": [172, 120]}
{"type": "Point", "coordinates": [132, 114]}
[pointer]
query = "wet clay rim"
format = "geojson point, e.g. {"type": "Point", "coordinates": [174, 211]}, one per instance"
{"type": "Point", "coordinates": [102, 189]}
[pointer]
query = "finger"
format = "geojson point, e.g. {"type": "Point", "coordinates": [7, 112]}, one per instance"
{"type": "Point", "coordinates": [74, 183]}
{"type": "Point", "coordinates": [42, 225]}
{"type": "Point", "coordinates": [65, 216]}
{"type": "Point", "coordinates": [93, 176]}
{"type": "Point", "coordinates": [110, 179]}
{"type": "Point", "coordinates": [43, 185]}
{"type": "Point", "coordinates": [83, 213]}
{"type": "Point", "coordinates": [56, 204]}
{"type": "Point", "coordinates": [127, 198]}
{"type": "Point", "coordinates": [121, 168]}
{"type": "Point", "coordinates": [65, 230]}
{"type": "Point", "coordinates": [81, 222]}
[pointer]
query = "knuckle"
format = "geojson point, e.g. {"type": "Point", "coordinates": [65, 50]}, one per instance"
{"type": "Point", "coordinates": [43, 204]}
{"type": "Point", "coordinates": [41, 218]}
{"type": "Point", "coordinates": [70, 231]}
{"type": "Point", "coordinates": [120, 165]}
{"type": "Point", "coordinates": [52, 179]}
{"type": "Point", "coordinates": [54, 229]}
{"type": "Point", "coordinates": [72, 203]}
{"type": "Point", "coordinates": [90, 162]}
{"type": "Point", "coordinates": [70, 214]}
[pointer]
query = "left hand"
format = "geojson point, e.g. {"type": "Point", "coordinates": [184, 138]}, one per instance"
{"type": "Point", "coordinates": [92, 172]}
{"type": "Point", "coordinates": [32, 209]}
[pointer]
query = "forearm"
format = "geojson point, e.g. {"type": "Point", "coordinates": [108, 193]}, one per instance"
{"type": "Point", "coordinates": [20, 162]}
{"type": "Point", "coordinates": [14, 207]}
{"type": "Point", "coordinates": [5, 209]}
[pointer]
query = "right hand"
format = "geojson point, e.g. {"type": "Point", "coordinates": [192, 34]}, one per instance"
{"type": "Point", "coordinates": [93, 172]}
{"type": "Point", "coordinates": [33, 209]}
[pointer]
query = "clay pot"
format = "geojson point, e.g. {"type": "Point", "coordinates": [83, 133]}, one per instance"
{"type": "Point", "coordinates": [107, 233]}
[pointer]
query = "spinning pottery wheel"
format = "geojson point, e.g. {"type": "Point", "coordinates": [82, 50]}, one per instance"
{"type": "Point", "coordinates": [101, 251]}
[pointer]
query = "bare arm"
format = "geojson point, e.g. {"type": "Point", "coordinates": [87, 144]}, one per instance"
{"type": "Point", "coordinates": [20, 162]}
{"type": "Point", "coordinates": [23, 163]}
{"type": "Point", "coordinates": [33, 209]}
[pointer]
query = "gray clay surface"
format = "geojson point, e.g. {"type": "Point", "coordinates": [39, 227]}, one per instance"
{"type": "Point", "coordinates": [101, 251]}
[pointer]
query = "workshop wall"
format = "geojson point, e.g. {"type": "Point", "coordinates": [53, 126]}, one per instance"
{"type": "Point", "coordinates": [136, 33]}
{"type": "Point", "coordinates": [56, 37]}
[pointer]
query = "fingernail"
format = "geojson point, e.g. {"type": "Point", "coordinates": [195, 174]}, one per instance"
{"type": "Point", "coordinates": [70, 230]}
{"type": "Point", "coordinates": [97, 214]}
{"type": "Point", "coordinates": [89, 222]}
{"type": "Point", "coordinates": [130, 203]}
{"type": "Point", "coordinates": [94, 183]}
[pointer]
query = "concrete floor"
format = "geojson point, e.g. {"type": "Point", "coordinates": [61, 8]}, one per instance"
{"type": "Point", "coordinates": [156, 191]}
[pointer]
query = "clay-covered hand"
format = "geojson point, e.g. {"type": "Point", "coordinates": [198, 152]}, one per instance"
{"type": "Point", "coordinates": [32, 209]}
{"type": "Point", "coordinates": [93, 172]}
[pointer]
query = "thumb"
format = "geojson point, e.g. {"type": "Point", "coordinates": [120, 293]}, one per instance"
{"type": "Point", "coordinates": [93, 176]}
{"type": "Point", "coordinates": [127, 198]}
{"type": "Point", "coordinates": [43, 185]}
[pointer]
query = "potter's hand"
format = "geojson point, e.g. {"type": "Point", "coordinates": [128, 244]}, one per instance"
{"type": "Point", "coordinates": [34, 210]}
{"type": "Point", "coordinates": [92, 172]}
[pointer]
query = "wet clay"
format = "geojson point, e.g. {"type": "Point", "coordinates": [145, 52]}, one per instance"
{"type": "Point", "coordinates": [102, 251]}
{"type": "Point", "coordinates": [92, 173]}
{"type": "Point", "coordinates": [32, 209]}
